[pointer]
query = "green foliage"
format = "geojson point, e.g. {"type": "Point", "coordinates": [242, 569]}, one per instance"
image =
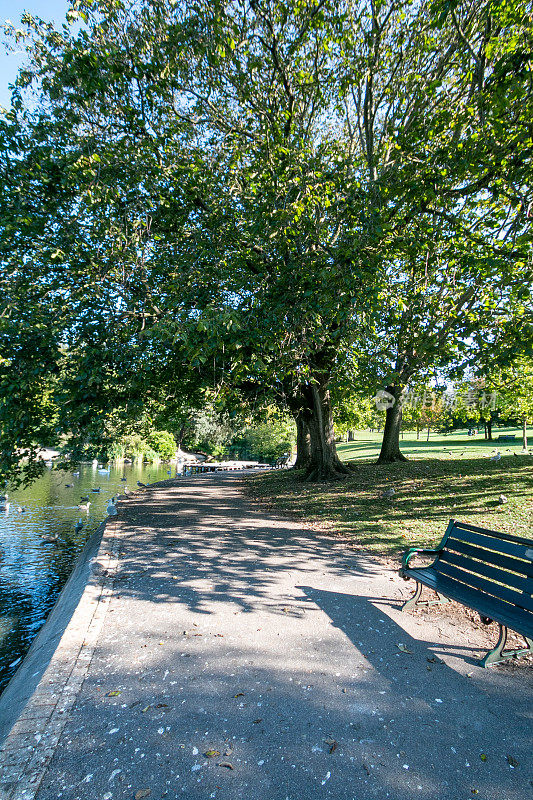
{"type": "Point", "coordinates": [210, 432]}
{"type": "Point", "coordinates": [271, 439]}
{"type": "Point", "coordinates": [157, 444]}
{"type": "Point", "coordinates": [163, 443]}
{"type": "Point", "coordinates": [248, 200]}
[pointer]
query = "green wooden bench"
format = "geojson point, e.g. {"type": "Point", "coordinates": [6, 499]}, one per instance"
{"type": "Point", "coordinates": [506, 437]}
{"type": "Point", "coordinates": [487, 571]}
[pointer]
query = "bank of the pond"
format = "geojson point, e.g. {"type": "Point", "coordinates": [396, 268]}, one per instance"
{"type": "Point", "coordinates": [42, 532]}
{"type": "Point", "coordinates": [27, 677]}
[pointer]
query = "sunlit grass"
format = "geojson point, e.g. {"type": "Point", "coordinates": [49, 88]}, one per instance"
{"type": "Point", "coordinates": [431, 488]}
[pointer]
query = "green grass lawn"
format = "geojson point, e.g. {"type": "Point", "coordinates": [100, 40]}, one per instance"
{"type": "Point", "coordinates": [460, 445]}
{"type": "Point", "coordinates": [449, 476]}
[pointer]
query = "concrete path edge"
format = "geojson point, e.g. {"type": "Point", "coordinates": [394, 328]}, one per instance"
{"type": "Point", "coordinates": [34, 713]}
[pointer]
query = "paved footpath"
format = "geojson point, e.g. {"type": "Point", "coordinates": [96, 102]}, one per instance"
{"type": "Point", "coordinates": [222, 652]}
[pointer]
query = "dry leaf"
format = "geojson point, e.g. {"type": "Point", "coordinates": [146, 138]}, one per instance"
{"type": "Point", "coordinates": [512, 761]}
{"type": "Point", "coordinates": [257, 720]}
{"type": "Point", "coordinates": [239, 694]}
{"type": "Point", "coordinates": [211, 753]}
{"type": "Point", "coordinates": [226, 764]}
{"type": "Point", "coordinates": [483, 757]}
{"type": "Point", "coordinates": [142, 793]}
{"type": "Point", "coordinates": [404, 649]}
{"type": "Point", "coordinates": [114, 693]}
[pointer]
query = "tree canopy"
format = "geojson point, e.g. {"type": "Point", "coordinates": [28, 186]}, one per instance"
{"type": "Point", "coordinates": [259, 199]}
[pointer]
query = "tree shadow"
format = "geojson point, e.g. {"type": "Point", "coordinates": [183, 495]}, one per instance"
{"type": "Point", "coordinates": [333, 710]}
{"type": "Point", "coordinates": [429, 492]}
{"type": "Point", "coordinates": [229, 553]}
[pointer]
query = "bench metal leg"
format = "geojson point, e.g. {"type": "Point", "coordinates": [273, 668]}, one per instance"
{"type": "Point", "coordinates": [415, 599]}
{"type": "Point", "coordinates": [498, 655]}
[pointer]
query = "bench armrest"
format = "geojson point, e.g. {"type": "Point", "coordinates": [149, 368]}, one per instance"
{"type": "Point", "coordinates": [414, 551]}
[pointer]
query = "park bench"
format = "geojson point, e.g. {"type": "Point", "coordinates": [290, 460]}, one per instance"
{"type": "Point", "coordinates": [282, 461]}
{"type": "Point", "coordinates": [506, 437]}
{"type": "Point", "coordinates": [487, 571]}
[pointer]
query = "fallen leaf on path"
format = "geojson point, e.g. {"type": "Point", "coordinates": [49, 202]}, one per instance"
{"type": "Point", "coordinates": [239, 694]}
{"type": "Point", "coordinates": [483, 757]}
{"type": "Point", "coordinates": [142, 793]}
{"type": "Point", "coordinates": [114, 693]}
{"type": "Point", "coordinates": [404, 649]}
{"type": "Point", "coordinates": [211, 753]}
{"type": "Point", "coordinates": [512, 761]}
{"type": "Point", "coordinates": [226, 764]}
{"type": "Point", "coordinates": [257, 720]}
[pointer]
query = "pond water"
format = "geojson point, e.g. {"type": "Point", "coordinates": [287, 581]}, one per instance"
{"type": "Point", "coordinates": [33, 570]}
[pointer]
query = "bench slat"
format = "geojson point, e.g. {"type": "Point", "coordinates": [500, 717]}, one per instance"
{"type": "Point", "coordinates": [510, 548]}
{"type": "Point", "coordinates": [515, 618]}
{"type": "Point", "coordinates": [475, 581]}
{"type": "Point", "coordinates": [465, 526]}
{"type": "Point", "coordinates": [486, 570]}
{"type": "Point", "coordinates": [498, 559]}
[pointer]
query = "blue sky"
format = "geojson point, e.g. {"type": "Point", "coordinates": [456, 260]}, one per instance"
{"type": "Point", "coordinates": [13, 9]}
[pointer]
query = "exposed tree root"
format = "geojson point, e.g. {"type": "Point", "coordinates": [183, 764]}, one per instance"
{"type": "Point", "coordinates": [323, 473]}
{"type": "Point", "coordinates": [391, 458]}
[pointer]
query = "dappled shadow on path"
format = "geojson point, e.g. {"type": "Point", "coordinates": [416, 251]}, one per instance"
{"type": "Point", "coordinates": [331, 708]}
{"type": "Point", "coordinates": [202, 549]}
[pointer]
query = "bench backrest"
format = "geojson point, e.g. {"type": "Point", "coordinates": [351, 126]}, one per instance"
{"type": "Point", "coordinates": [496, 563]}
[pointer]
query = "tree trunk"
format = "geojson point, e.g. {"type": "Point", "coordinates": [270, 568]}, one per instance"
{"type": "Point", "coordinates": [351, 436]}
{"type": "Point", "coordinates": [324, 463]}
{"type": "Point", "coordinates": [524, 434]}
{"type": "Point", "coordinates": [485, 429]}
{"type": "Point", "coordinates": [390, 446]}
{"type": "Point", "coordinates": [489, 430]}
{"type": "Point", "coordinates": [303, 443]}
{"type": "Point", "coordinates": [418, 431]}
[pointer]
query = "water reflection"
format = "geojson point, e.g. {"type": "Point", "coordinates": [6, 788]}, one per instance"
{"type": "Point", "coordinates": [42, 530]}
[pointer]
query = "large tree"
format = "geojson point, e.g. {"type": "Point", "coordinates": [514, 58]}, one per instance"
{"type": "Point", "coordinates": [232, 193]}
{"type": "Point", "coordinates": [456, 196]}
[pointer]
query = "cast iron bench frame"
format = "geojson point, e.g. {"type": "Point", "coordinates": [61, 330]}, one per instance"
{"type": "Point", "coordinates": [488, 571]}
{"type": "Point", "coordinates": [506, 437]}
